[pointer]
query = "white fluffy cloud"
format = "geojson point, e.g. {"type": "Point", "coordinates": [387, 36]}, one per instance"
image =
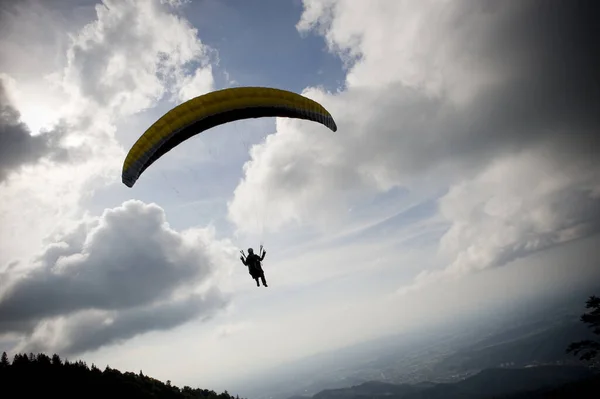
{"type": "Point", "coordinates": [447, 94]}
{"type": "Point", "coordinates": [113, 277]}
{"type": "Point", "coordinates": [120, 281]}
{"type": "Point", "coordinates": [133, 54]}
{"type": "Point", "coordinates": [518, 205]}
{"type": "Point", "coordinates": [200, 83]}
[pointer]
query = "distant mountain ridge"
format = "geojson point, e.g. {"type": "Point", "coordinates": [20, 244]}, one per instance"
{"type": "Point", "coordinates": [489, 383]}
{"type": "Point", "coordinates": [512, 335]}
{"type": "Point", "coordinates": [518, 348]}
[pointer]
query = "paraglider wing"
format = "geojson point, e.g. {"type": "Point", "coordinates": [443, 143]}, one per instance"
{"type": "Point", "coordinates": [209, 110]}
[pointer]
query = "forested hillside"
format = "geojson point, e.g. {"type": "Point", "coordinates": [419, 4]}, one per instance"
{"type": "Point", "coordinates": [41, 376]}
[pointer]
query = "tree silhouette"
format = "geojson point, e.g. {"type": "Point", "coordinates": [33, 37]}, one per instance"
{"type": "Point", "coordinates": [56, 360]}
{"type": "Point", "coordinates": [39, 375]}
{"type": "Point", "coordinates": [588, 348]}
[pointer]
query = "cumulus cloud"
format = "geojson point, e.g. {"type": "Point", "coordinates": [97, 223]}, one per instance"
{"type": "Point", "coordinates": [199, 83]}
{"type": "Point", "coordinates": [476, 97]}
{"type": "Point", "coordinates": [496, 219]}
{"type": "Point", "coordinates": [102, 280]}
{"type": "Point", "coordinates": [132, 55]}
{"type": "Point", "coordinates": [18, 146]}
{"type": "Point", "coordinates": [113, 277]}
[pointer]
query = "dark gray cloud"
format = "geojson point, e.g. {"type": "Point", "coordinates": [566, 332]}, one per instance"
{"type": "Point", "coordinates": [114, 277]}
{"type": "Point", "coordinates": [536, 131]}
{"type": "Point", "coordinates": [529, 71]}
{"type": "Point", "coordinates": [18, 147]}
{"type": "Point", "coordinates": [546, 55]}
{"type": "Point", "coordinates": [89, 331]}
{"type": "Point", "coordinates": [543, 57]}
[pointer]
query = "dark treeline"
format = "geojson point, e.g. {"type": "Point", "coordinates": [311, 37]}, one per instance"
{"type": "Point", "coordinates": [41, 376]}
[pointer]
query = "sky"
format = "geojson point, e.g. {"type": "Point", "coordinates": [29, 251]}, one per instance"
{"type": "Point", "coordinates": [463, 175]}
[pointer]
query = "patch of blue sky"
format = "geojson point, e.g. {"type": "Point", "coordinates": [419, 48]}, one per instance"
{"type": "Point", "coordinates": [256, 44]}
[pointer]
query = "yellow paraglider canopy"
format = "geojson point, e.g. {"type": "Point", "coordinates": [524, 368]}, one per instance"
{"type": "Point", "coordinates": [209, 110]}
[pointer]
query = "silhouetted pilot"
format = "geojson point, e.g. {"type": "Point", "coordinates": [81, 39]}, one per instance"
{"type": "Point", "coordinates": [253, 262]}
